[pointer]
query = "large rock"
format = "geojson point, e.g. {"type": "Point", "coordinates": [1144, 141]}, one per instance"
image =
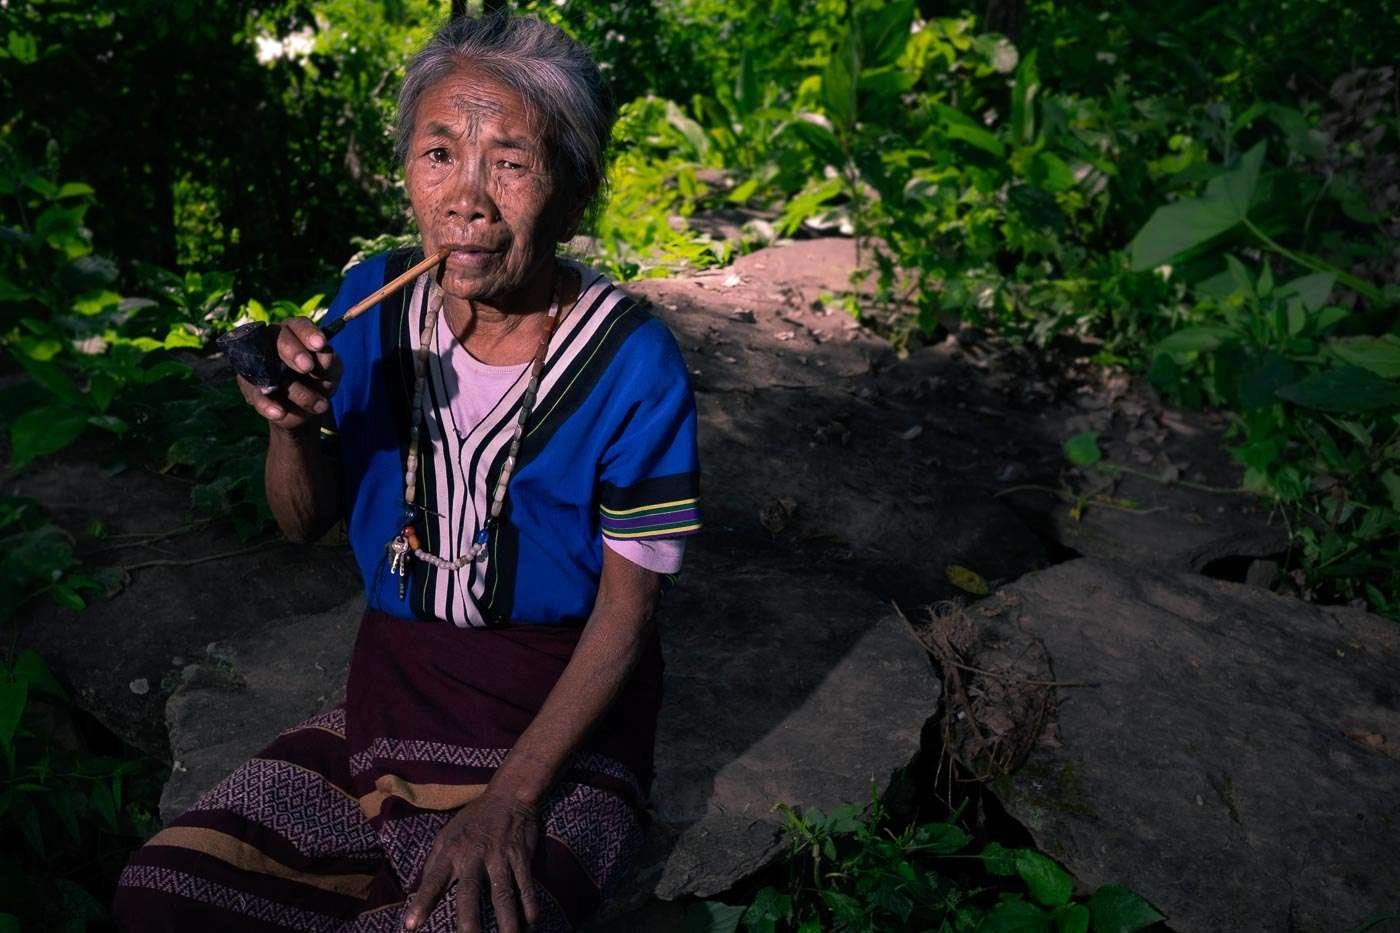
{"type": "Point", "coordinates": [123, 656]}
{"type": "Point", "coordinates": [783, 686]}
{"type": "Point", "coordinates": [241, 694]}
{"type": "Point", "coordinates": [1238, 758]}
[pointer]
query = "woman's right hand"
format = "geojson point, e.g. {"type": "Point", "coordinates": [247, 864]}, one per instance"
{"type": "Point", "coordinates": [315, 374]}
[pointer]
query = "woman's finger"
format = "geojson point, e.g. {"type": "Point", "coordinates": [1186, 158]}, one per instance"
{"type": "Point", "coordinates": [436, 873]}
{"type": "Point", "coordinates": [469, 902]}
{"type": "Point", "coordinates": [307, 333]}
{"type": "Point", "coordinates": [503, 899]}
{"type": "Point", "coordinates": [306, 397]}
{"type": "Point", "coordinates": [292, 348]}
{"type": "Point", "coordinates": [525, 887]}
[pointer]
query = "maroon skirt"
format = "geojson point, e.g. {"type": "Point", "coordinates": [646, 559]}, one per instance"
{"type": "Point", "coordinates": [327, 829]}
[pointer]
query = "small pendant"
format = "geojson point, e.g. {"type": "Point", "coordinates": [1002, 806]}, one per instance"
{"type": "Point", "coordinates": [482, 536]}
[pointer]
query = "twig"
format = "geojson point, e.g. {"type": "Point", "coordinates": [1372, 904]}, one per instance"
{"type": "Point", "coordinates": [146, 539]}
{"type": "Point", "coordinates": [1060, 493]}
{"type": "Point", "coordinates": [1200, 487]}
{"type": "Point", "coordinates": [192, 561]}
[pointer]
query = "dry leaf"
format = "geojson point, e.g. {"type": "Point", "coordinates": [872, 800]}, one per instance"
{"type": "Point", "coordinates": [969, 581]}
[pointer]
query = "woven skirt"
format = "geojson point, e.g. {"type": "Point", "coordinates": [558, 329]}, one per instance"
{"type": "Point", "coordinates": [328, 828]}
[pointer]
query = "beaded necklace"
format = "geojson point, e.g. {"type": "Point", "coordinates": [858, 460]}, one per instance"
{"type": "Point", "coordinates": [406, 545]}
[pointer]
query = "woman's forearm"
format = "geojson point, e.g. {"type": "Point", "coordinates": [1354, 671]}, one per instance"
{"type": "Point", "coordinates": [303, 489]}
{"type": "Point", "coordinates": [606, 655]}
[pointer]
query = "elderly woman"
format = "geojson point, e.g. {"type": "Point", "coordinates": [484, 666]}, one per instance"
{"type": "Point", "coordinates": [512, 443]}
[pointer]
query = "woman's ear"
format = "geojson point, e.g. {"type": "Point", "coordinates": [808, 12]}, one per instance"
{"type": "Point", "coordinates": [573, 216]}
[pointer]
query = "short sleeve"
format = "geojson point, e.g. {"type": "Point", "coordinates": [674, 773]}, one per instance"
{"type": "Point", "coordinates": [649, 477]}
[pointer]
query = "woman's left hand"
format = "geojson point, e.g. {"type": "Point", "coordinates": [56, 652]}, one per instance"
{"type": "Point", "coordinates": [488, 845]}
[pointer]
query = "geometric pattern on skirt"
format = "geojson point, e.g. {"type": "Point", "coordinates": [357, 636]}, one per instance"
{"type": "Point", "coordinates": [275, 842]}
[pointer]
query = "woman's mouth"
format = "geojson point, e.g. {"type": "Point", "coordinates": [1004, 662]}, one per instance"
{"type": "Point", "coordinates": [472, 257]}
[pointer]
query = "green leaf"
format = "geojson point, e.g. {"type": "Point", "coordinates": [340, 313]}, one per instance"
{"type": "Point", "coordinates": [977, 137]}
{"type": "Point", "coordinates": [13, 698]}
{"type": "Point", "coordinates": [1049, 883]}
{"type": "Point", "coordinates": [1313, 289]}
{"type": "Point", "coordinates": [1115, 909]}
{"type": "Point", "coordinates": [67, 597]}
{"type": "Point", "coordinates": [840, 80]}
{"type": "Point", "coordinates": [1328, 317]}
{"type": "Point", "coordinates": [1259, 384]}
{"type": "Point", "coordinates": [892, 901]}
{"type": "Point", "coordinates": [821, 141]}
{"type": "Point", "coordinates": [9, 923]}
{"type": "Point", "coordinates": [9, 291]}
{"type": "Point", "coordinates": [1015, 916]}
{"type": "Point", "coordinates": [770, 907]}
{"type": "Point", "coordinates": [747, 94]}
{"type": "Point", "coordinates": [1343, 389]}
{"type": "Point", "coordinates": [1083, 449]}
{"type": "Point", "coordinates": [30, 669]}
{"type": "Point", "coordinates": [52, 377]}
{"type": "Point", "coordinates": [998, 859]}
{"type": "Point", "coordinates": [103, 804]}
{"type": "Point", "coordinates": [1380, 355]}
{"type": "Point", "coordinates": [1391, 481]}
{"type": "Point", "coordinates": [941, 838]}
{"type": "Point", "coordinates": [885, 33]}
{"type": "Point", "coordinates": [969, 581]}
{"type": "Point", "coordinates": [23, 48]}
{"type": "Point", "coordinates": [1196, 339]}
{"type": "Point", "coordinates": [181, 336]}
{"type": "Point", "coordinates": [1049, 172]}
{"type": "Point", "coordinates": [1072, 918]}
{"type": "Point", "coordinates": [1258, 455]}
{"type": "Point", "coordinates": [691, 131]}
{"type": "Point", "coordinates": [95, 302]}
{"type": "Point", "coordinates": [1180, 228]}
{"type": "Point", "coordinates": [1023, 94]}
{"type": "Point", "coordinates": [74, 189]}
{"type": "Point", "coordinates": [44, 430]}
{"type": "Point", "coordinates": [109, 423]}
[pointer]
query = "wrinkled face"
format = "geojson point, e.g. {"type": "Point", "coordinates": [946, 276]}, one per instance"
{"type": "Point", "coordinates": [481, 181]}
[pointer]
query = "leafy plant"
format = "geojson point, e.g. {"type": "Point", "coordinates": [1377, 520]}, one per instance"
{"type": "Point", "coordinates": [68, 816]}
{"type": "Point", "coordinates": [850, 870]}
{"type": "Point", "coordinates": [1316, 397]}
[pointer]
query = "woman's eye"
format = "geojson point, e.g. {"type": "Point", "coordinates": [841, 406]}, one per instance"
{"type": "Point", "coordinates": [507, 164]}
{"type": "Point", "coordinates": [438, 155]}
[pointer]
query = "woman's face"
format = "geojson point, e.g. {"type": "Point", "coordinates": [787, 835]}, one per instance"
{"type": "Point", "coordinates": [481, 181]}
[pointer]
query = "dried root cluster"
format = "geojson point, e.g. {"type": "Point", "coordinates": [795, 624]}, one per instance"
{"type": "Point", "coordinates": [998, 686]}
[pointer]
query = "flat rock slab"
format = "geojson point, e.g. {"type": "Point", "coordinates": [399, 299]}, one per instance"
{"type": "Point", "coordinates": [122, 656]}
{"type": "Point", "coordinates": [782, 686]}
{"type": "Point", "coordinates": [1238, 762]}
{"type": "Point", "coordinates": [242, 694]}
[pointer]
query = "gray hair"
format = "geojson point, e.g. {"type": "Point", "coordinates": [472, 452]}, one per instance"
{"type": "Point", "coordinates": [554, 75]}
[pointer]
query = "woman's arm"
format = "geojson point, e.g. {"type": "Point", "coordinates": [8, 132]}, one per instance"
{"type": "Point", "coordinates": [303, 490]}
{"type": "Point", "coordinates": [494, 836]}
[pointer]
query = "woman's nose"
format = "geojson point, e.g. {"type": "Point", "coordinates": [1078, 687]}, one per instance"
{"type": "Point", "coordinates": [471, 196]}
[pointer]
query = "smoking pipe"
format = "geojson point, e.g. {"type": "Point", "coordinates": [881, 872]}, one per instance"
{"type": "Point", "coordinates": [252, 348]}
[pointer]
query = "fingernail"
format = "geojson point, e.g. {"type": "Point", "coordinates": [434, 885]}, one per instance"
{"type": "Point", "coordinates": [303, 362]}
{"type": "Point", "coordinates": [320, 407]}
{"type": "Point", "coordinates": [275, 413]}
